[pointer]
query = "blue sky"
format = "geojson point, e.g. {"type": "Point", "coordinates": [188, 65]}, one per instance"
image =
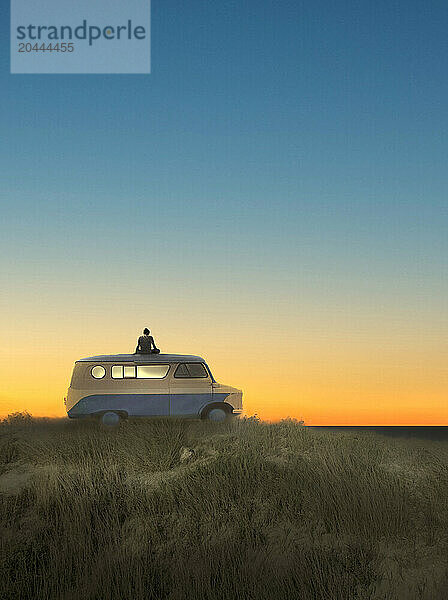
{"type": "Point", "coordinates": [297, 127]}
{"type": "Point", "coordinates": [308, 104]}
{"type": "Point", "coordinates": [295, 151]}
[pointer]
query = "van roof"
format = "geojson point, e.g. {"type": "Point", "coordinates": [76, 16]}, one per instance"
{"type": "Point", "coordinates": [156, 358]}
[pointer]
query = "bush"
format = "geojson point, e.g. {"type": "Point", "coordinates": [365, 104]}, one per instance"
{"type": "Point", "coordinates": [18, 418]}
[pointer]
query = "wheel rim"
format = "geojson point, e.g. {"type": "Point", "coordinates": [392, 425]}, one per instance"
{"type": "Point", "coordinates": [217, 414]}
{"type": "Point", "coordinates": [110, 419]}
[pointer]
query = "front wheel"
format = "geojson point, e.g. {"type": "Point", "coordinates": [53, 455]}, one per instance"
{"type": "Point", "coordinates": [110, 419]}
{"type": "Point", "coordinates": [217, 415]}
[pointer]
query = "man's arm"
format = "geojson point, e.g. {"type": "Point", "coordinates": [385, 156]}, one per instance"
{"type": "Point", "coordinates": [152, 343]}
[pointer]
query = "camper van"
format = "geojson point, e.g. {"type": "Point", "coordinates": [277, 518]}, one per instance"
{"type": "Point", "coordinates": [147, 385]}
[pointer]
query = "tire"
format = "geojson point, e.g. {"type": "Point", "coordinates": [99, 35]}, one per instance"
{"type": "Point", "coordinates": [110, 419]}
{"type": "Point", "coordinates": [217, 415]}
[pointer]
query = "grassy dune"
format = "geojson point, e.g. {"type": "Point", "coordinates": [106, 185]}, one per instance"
{"type": "Point", "coordinates": [182, 509]}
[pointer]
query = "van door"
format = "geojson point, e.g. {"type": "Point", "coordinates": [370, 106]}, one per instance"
{"type": "Point", "coordinates": [143, 389]}
{"type": "Point", "coordinates": [190, 389]}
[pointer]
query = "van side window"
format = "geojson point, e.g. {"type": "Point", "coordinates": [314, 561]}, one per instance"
{"type": "Point", "coordinates": [191, 370]}
{"type": "Point", "coordinates": [98, 372]}
{"type": "Point", "coordinates": [143, 371]}
{"type": "Point", "coordinates": [152, 371]}
{"type": "Point", "coordinates": [117, 372]}
{"type": "Point", "coordinates": [120, 371]}
{"type": "Point", "coordinates": [182, 371]}
{"type": "Point", "coordinates": [129, 371]}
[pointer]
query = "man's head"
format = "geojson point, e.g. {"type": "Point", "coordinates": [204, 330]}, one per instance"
{"type": "Point", "coordinates": [146, 331]}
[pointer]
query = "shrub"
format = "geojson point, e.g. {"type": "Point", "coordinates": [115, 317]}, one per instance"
{"type": "Point", "coordinates": [18, 418]}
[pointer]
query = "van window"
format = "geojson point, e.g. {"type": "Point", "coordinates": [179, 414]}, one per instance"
{"type": "Point", "coordinates": [117, 372]}
{"type": "Point", "coordinates": [190, 370]}
{"type": "Point", "coordinates": [98, 372]}
{"type": "Point", "coordinates": [182, 371]}
{"type": "Point", "coordinates": [143, 371]}
{"type": "Point", "coordinates": [129, 371]}
{"type": "Point", "coordinates": [120, 371]}
{"type": "Point", "coordinates": [152, 371]}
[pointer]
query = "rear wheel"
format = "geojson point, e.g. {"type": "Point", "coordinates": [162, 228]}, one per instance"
{"type": "Point", "coordinates": [110, 419]}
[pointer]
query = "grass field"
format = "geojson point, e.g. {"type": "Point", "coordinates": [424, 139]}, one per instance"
{"type": "Point", "coordinates": [185, 509]}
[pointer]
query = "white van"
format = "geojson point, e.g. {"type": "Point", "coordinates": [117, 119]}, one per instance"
{"type": "Point", "coordinates": [147, 385]}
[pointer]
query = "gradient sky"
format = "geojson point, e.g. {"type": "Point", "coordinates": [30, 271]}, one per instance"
{"type": "Point", "coordinates": [273, 197]}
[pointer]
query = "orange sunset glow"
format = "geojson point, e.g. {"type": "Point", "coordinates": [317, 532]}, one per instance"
{"type": "Point", "coordinates": [323, 368]}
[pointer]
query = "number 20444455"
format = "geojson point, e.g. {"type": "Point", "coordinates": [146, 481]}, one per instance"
{"type": "Point", "coordinates": [59, 47]}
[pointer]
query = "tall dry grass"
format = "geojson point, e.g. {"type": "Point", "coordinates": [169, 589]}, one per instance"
{"type": "Point", "coordinates": [184, 510]}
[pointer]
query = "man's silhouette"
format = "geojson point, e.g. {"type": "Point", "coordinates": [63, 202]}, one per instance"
{"type": "Point", "coordinates": [146, 344]}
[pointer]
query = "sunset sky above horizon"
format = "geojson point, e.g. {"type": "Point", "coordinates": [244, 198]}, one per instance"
{"type": "Point", "coordinates": [272, 197]}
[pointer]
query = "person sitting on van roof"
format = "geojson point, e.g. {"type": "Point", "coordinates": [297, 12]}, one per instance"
{"type": "Point", "coordinates": [146, 344]}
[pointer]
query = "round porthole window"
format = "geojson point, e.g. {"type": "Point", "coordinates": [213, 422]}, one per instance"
{"type": "Point", "coordinates": [98, 372]}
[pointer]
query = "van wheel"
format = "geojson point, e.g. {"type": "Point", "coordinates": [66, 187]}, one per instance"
{"type": "Point", "coordinates": [218, 415]}
{"type": "Point", "coordinates": [110, 419]}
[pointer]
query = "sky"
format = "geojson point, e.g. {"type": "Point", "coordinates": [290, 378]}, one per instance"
{"type": "Point", "coordinates": [273, 197]}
